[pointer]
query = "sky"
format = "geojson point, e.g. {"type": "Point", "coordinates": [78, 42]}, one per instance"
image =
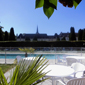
{"type": "Point", "coordinates": [24, 18]}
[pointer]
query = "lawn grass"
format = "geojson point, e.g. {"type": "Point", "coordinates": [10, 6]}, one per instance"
{"type": "Point", "coordinates": [6, 67]}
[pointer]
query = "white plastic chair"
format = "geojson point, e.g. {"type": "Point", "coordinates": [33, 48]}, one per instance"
{"type": "Point", "coordinates": [76, 81]}
{"type": "Point", "coordinates": [69, 61]}
{"type": "Point", "coordinates": [83, 61]}
{"type": "Point", "coordinates": [79, 70]}
{"type": "Point", "coordinates": [59, 60]}
{"type": "Point", "coordinates": [18, 58]}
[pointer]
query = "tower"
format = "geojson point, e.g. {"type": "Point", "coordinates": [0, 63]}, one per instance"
{"type": "Point", "coordinates": [37, 31]}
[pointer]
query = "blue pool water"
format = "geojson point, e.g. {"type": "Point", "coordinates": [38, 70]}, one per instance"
{"type": "Point", "coordinates": [48, 56]}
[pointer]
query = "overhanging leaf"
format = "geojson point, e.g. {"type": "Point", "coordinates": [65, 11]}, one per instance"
{"type": "Point", "coordinates": [53, 3]}
{"type": "Point", "coordinates": [76, 3]}
{"type": "Point", "coordinates": [39, 3]}
{"type": "Point", "coordinates": [48, 10]}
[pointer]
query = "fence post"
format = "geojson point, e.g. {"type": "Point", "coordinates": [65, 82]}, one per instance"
{"type": "Point", "coordinates": [5, 56]}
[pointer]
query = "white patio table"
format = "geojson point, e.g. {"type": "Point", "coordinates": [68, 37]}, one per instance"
{"type": "Point", "coordinates": [78, 58]}
{"type": "Point", "coordinates": [58, 71]}
{"type": "Point", "coordinates": [28, 58]}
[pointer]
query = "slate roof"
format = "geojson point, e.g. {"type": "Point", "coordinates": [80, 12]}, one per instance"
{"type": "Point", "coordinates": [66, 34]}
{"type": "Point", "coordinates": [44, 36]}
{"type": "Point", "coordinates": [21, 36]}
{"type": "Point", "coordinates": [33, 35]}
{"type": "Point", "coordinates": [63, 34]}
{"type": "Point", "coordinates": [38, 36]}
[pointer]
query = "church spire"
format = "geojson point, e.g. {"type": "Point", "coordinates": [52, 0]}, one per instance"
{"type": "Point", "coordinates": [37, 31]}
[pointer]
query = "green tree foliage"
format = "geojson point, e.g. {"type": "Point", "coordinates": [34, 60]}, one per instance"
{"type": "Point", "coordinates": [35, 38]}
{"type": "Point", "coordinates": [72, 34]}
{"type": "Point", "coordinates": [6, 37]}
{"type": "Point", "coordinates": [80, 33]}
{"type": "Point", "coordinates": [26, 73]}
{"type": "Point", "coordinates": [1, 35]}
{"type": "Point", "coordinates": [64, 39]}
{"type": "Point", "coordinates": [58, 39]}
{"type": "Point", "coordinates": [27, 50]}
{"type": "Point", "coordinates": [83, 36]}
{"type": "Point", "coordinates": [50, 5]}
{"type": "Point", "coordinates": [12, 35]}
{"type": "Point", "coordinates": [27, 39]}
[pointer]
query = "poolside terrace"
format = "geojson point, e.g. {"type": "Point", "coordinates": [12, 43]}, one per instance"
{"type": "Point", "coordinates": [75, 51]}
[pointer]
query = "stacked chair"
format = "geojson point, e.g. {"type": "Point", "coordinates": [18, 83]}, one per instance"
{"type": "Point", "coordinates": [75, 81]}
{"type": "Point", "coordinates": [77, 78]}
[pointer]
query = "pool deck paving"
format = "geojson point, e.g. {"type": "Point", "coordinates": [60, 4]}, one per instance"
{"type": "Point", "coordinates": [7, 61]}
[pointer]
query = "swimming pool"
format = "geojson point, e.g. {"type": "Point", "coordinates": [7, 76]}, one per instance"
{"type": "Point", "coordinates": [48, 56]}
